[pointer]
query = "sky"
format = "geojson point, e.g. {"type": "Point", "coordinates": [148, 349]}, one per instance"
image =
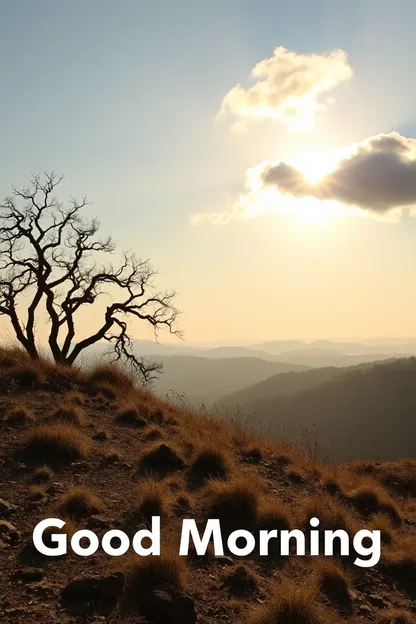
{"type": "Point", "coordinates": [261, 154]}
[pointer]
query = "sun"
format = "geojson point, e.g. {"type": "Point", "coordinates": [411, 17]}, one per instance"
{"type": "Point", "coordinates": [314, 163]}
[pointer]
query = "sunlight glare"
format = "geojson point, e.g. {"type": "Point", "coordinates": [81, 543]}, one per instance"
{"type": "Point", "coordinates": [314, 163]}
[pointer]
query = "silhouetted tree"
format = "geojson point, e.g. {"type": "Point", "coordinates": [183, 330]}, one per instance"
{"type": "Point", "coordinates": [49, 259]}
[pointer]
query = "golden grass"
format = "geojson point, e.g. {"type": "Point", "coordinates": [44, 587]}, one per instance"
{"type": "Point", "coordinates": [79, 502]}
{"type": "Point", "coordinates": [235, 503]}
{"type": "Point", "coordinates": [56, 443]}
{"type": "Point", "coordinates": [143, 573]}
{"type": "Point", "coordinates": [70, 414]}
{"type": "Point", "coordinates": [209, 463]}
{"type": "Point", "coordinates": [396, 616]}
{"type": "Point", "coordinates": [43, 474]}
{"type": "Point", "coordinates": [292, 602]}
{"type": "Point", "coordinates": [21, 415]}
{"type": "Point", "coordinates": [152, 498]}
{"type": "Point", "coordinates": [370, 499]}
{"type": "Point", "coordinates": [333, 583]}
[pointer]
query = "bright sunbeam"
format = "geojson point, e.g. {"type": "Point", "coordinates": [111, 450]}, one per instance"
{"type": "Point", "coordinates": [314, 163]}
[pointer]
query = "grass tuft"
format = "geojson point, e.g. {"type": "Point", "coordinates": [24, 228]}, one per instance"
{"type": "Point", "coordinates": [56, 444]}
{"type": "Point", "coordinates": [80, 502]}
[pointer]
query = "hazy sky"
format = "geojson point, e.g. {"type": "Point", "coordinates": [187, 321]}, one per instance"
{"type": "Point", "coordinates": [137, 103]}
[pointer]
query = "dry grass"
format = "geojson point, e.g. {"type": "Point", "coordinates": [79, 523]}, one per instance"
{"type": "Point", "coordinates": [152, 498]}
{"type": "Point", "coordinates": [235, 503]}
{"type": "Point", "coordinates": [334, 584]}
{"type": "Point", "coordinates": [143, 573]}
{"type": "Point", "coordinates": [27, 376]}
{"type": "Point", "coordinates": [79, 502]}
{"type": "Point", "coordinates": [111, 375]}
{"type": "Point", "coordinates": [75, 397]}
{"type": "Point", "coordinates": [43, 474]}
{"type": "Point", "coordinates": [292, 603]}
{"type": "Point", "coordinates": [370, 499]}
{"type": "Point", "coordinates": [273, 514]}
{"type": "Point", "coordinates": [241, 581]}
{"type": "Point", "coordinates": [70, 414]}
{"type": "Point", "coordinates": [55, 444]}
{"type": "Point", "coordinates": [153, 433]}
{"type": "Point", "coordinates": [209, 463]}
{"type": "Point", "coordinates": [21, 415]}
{"type": "Point", "coordinates": [36, 493]}
{"type": "Point", "coordinates": [333, 514]}
{"type": "Point", "coordinates": [399, 561]}
{"type": "Point", "coordinates": [133, 416]}
{"type": "Point", "coordinates": [396, 616]}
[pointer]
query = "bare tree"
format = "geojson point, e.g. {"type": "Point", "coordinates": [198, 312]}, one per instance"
{"type": "Point", "coordinates": [49, 260]}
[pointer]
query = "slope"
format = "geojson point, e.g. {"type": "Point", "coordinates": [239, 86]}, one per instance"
{"type": "Point", "coordinates": [365, 411]}
{"type": "Point", "coordinates": [103, 454]}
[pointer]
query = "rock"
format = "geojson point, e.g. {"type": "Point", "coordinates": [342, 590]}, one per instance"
{"type": "Point", "coordinates": [30, 575]}
{"type": "Point", "coordinates": [162, 460]}
{"type": "Point", "coordinates": [93, 596]}
{"type": "Point", "coordinates": [6, 508]}
{"type": "Point", "coordinates": [165, 604]}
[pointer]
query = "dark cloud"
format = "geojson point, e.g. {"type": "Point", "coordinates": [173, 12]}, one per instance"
{"type": "Point", "coordinates": [378, 176]}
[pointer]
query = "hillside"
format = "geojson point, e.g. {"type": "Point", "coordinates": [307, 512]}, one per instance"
{"type": "Point", "coordinates": [204, 380]}
{"type": "Point", "coordinates": [282, 384]}
{"type": "Point", "coordinates": [101, 453]}
{"type": "Point", "coordinates": [366, 411]}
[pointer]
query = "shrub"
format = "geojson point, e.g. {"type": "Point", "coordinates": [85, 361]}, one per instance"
{"type": "Point", "coordinates": [55, 444]}
{"type": "Point", "coordinates": [334, 584]}
{"type": "Point", "coordinates": [21, 416]}
{"type": "Point", "coordinates": [26, 376]}
{"type": "Point", "coordinates": [396, 616]}
{"type": "Point", "coordinates": [370, 500]}
{"type": "Point", "coordinates": [43, 474]}
{"type": "Point", "coordinates": [235, 503]}
{"type": "Point", "coordinates": [274, 515]}
{"type": "Point", "coordinates": [209, 464]}
{"type": "Point", "coordinates": [153, 499]}
{"type": "Point", "coordinates": [143, 573]}
{"type": "Point", "coordinates": [79, 502]}
{"type": "Point", "coordinates": [292, 603]}
{"type": "Point", "coordinates": [113, 375]}
{"type": "Point", "coordinates": [76, 398]}
{"type": "Point", "coordinates": [70, 414]}
{"type": "Point", "coordinates": [36, 493]}
{"type": "Point", "coordinates": [155, 433]}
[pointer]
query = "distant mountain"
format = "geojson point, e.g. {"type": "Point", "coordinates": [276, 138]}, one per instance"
{"type": "Point", "coordinates": [318, 358]}
{"type": "Point", "coordinates": [385, 346]}
{"type": "Point", "coordinates": [236, 352]}
{"type": "Point", "coordinates": [363, 412]}
{"type": "Point", "coordinates": [282, 384]}
{"type": "Point", "coordinates": [205, 380]}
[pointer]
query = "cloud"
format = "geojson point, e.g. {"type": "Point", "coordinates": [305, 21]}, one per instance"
{"type": "Point", "coordinates": [291, 88]}
{"type": "Point", "coordinates": [376, 177]}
